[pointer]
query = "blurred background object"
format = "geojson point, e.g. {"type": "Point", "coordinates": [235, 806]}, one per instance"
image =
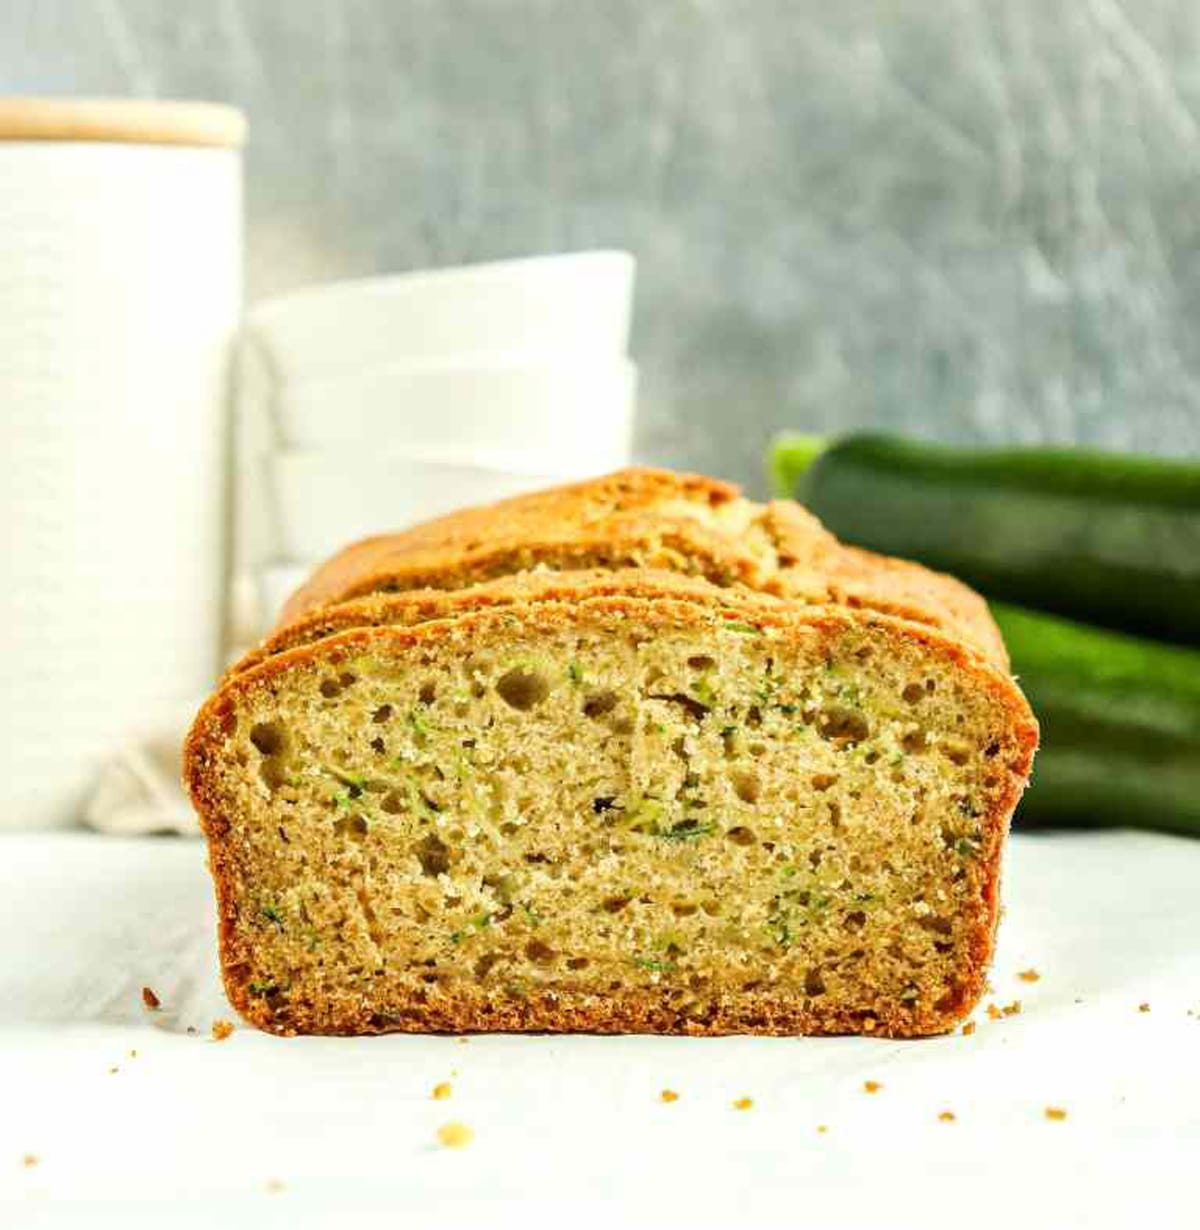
{"type": "Point", "coordinates": [373, 404]}
{"type": "Point", "coordinates": [967, 221]}
{"type": "Point", "coordinates": [114, 387]}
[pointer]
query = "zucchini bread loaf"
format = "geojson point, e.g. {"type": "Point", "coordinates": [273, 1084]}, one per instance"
{"type": "Point", "coordinates": [632, 755]}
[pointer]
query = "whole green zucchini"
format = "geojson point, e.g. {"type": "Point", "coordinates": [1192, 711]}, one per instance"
{"type": "Point", "coordinates": [1120, 720]}
{"type": "Point", "coordinates": [1109, 539]}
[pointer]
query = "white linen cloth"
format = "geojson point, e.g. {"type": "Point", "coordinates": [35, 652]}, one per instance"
{"type": "Point", "coordinates": [192, 1132]}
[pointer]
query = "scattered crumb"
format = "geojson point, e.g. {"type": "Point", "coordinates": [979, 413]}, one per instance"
{"type": "Point", "coordinates": [453, 1071]}
{"type": "Point", "coordinates": [455, 1135]}
{"type": "Point", "coordinates": [994, 1013]}
{"type": "Point", "coordinates": [274, 1185]}
{"type": "Point", "coordinates": [462, 1041]}
{"type": "Point", "coordinates": [221, 1030]}
{"type": "Point", "coordinates": [869, 1023]}
{"type": "Point", "coordinates": [1029, 975]}
{"type": "Point", "coordinates": [947, 1116]}
{"type": "Point", "coordinates": [871, 1086]}
{"type": "Point", "coordinates": [441, 1091]}
{"type": "Point", "coordinates": [133, 1054]}
{"type": "Point", "coordinates": [743, 1104]}
{"type": "Point", "coordinates": [822, 1128]}
{"type": "Point", "coordinates": [668, 1095]}
{"type": "Point", "coordinates": [1143, 1007]}
{"type": "Point", "coordinates": [191, 1029]}
{"type": "Point", "coordinates": [968, 1029]}
{"type": "Point", "coordinates": [988, 989]}
{"type": "Point", "coordinates": [113, 1070]}
{"type": "Point", "coordinates": [1013, 1009]}
{"type": "Point", "coordinates": [30, 1160]}
{"type": "Point", "coordinates": [1056, 1113]}
{"type": "Point", "coordinates": [150, 999]}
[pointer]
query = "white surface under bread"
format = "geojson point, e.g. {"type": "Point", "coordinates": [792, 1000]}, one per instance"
{"type": "Point", "coordinates": [192, 1132]}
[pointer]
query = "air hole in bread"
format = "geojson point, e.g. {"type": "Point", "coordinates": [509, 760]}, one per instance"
{"type": "Point", "coordinates": [913, 740]}
{"type": "Point", "coordinates": [353, 827]}
{"type": "Point", "coordinates": [913, 693]}
{"type": "Point", "coordinates": [747, 784]}
{"type": "Point", "coordinates": [269, 738]}
{"type": "Point", "coordinates": [434, 855]}
{"type": "Point", "coordinates": [598, 705]}
{"type": "Point", "coordinates": [841, 724]}
{"type": "Point", "coordinates": [523, 689]}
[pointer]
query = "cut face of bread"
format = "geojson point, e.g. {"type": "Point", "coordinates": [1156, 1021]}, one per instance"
{"type": "Point", "coordinates": [621, 812]}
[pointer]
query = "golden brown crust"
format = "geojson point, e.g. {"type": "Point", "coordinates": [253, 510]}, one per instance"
{"type": "Point", "coordinates": [654, 519]}
{"type": "Point", "coordinates": [421, 605]}
{"type": "Point", "coordinates": [632, 1012]}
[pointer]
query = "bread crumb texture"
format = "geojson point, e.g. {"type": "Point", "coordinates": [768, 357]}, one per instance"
{"type": "Point", "coordinates": [455, 1135]}
{"type": "Point", "coordinates": [644, 802]}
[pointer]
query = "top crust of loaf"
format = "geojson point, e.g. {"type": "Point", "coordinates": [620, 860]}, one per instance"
{"type": "Point", "coordinates": [655, 519]}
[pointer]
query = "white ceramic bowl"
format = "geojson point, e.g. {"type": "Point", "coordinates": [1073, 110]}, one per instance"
{"type": "Point", "coordinates": [575, 303]}
{"type": "Point", "coordinates": [276, 584]}
{"type": "Point", "coordinates": [540, 415]}
{"type": "Point", "coordinates": [323, 501]}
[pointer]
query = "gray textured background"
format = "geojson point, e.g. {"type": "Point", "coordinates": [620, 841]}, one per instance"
{"type": "Point", "coordinates": [975, 219]}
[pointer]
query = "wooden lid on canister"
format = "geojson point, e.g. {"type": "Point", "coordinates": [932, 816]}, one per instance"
{"type": "Point", "coordinates": [122, 121]}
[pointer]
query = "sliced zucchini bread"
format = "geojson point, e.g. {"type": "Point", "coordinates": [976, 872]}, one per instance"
{"type": "Point", "coordinates": [603, 796]}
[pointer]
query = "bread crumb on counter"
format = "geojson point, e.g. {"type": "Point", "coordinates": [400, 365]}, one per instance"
{"type": "Point", "coordinates": [221, 1030]}
{"type": "Point", "coordinates": [455, 1135]}
{"type": "Point", "coordinates": [30, 1160]}
{"type": "Point", "coordinates": [968, 1029]}
{"type": "Point", "coordinates": [743, 1104]}
{"type": "Point", "coordinates": [150, 999]}
{"type": "Point", "coordinates": [1029, 975]}
{"type": "Point", "coordinates": [871, 1086]}
{"type": "Point", "coordinates": [441, 1091]}
{"type": "Point", "coordinates": [993, 1012]}
{"type": "Point", "coordinates": [947, 1116]}
{"type": "Point", "coordinates": [822, 1128]}
{"type": "Point", "coordinates": [113, 1070]}
{"type": "Point", "coordinates": [1143, 1007]}
{"type": "Point", "coordinates": [668, 1095]}
{"type": "Point", "coordinates": [1013, 1009]}
{"type": "Point", "coordinates": [274, 1186]}
{"type": "Point", "coordinates": [1055, 1113]}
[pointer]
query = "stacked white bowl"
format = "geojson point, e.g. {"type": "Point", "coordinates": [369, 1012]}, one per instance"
{"type": "Point", "coordinates": [372, 405]}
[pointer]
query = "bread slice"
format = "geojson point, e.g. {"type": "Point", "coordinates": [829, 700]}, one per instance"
{"type": "Point", "coordinates": [616, 802]}
{"type": "Point", "coordinates": [656, 519]}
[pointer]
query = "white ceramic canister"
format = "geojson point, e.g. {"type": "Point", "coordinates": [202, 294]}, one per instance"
{"type": "Point", "coordinates": [120, 291]}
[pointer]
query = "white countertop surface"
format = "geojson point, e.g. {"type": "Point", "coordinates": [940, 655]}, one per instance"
{"type": "Point", "coordinates": [312, 1131]}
